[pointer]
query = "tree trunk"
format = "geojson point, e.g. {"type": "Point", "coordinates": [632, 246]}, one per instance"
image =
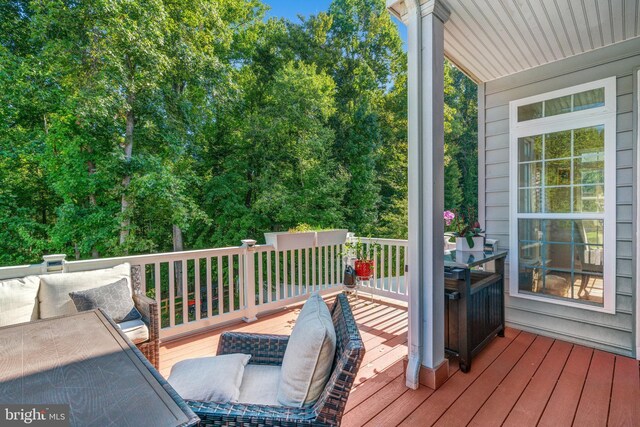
{"type": "Point", "coordinates": [91, 169]}
{"type": "Point", "coordinates": [126, 179]}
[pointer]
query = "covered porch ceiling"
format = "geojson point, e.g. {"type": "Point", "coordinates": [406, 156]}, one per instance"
{"type": "Point", "coordinates": [490, 39]}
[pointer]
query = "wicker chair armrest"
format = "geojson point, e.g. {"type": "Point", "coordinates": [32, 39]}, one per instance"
{"type": "Point", "coordinates": [218, 414]}
{"type": "Point", "coordinates": [148, 308]}
{"type": "Point", "coordinates": [264, 349]}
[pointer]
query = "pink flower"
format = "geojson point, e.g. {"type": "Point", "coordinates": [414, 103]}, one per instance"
{"type": "Point", "coordinates": [448, 217]}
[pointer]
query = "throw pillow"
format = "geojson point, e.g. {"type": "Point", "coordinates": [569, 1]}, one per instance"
{"type": "Point", "coordinates": [210, 379]}
{"type": "Point", "coordinates": [53, 295]}
{"type": "Point", "coordinates": [19, 300]}
{"type": "Point", "coordinates": [114, 299]}
{"type": "Point", "coordinates": [308, 359]}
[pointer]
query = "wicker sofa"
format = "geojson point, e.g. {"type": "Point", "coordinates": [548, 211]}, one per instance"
{"type": "Point", "coordinates": [26, 299]}
{"type": "Point", "coordinates": [269, 350]}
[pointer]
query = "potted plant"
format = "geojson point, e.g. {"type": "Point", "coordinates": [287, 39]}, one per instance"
{"type": "Point", "coordinates": [466, 232]}
{"type": "Point", "coordinates": [363, 255]}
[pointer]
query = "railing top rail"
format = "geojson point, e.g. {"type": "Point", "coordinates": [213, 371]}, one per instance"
{"type": "Point", "coordinates": [399, 242]}
{"type": "Point", "coordinates": [162, 257]}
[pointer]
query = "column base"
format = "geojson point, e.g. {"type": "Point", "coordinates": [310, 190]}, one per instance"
{"type": "Point", "coordinates": [432, 378]}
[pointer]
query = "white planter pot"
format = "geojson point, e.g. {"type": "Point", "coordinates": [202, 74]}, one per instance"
{"type": "Point", "coordinates": [331, 237]}
{"type": "Point", "coordinates": [463, 246]}
{"type": "Point", "coordinates": [286, 241]}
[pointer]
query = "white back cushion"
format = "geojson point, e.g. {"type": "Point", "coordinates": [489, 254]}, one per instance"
{"type": "Point", "coordinates": [54, 288]}
{"type": "Point", "coordinates": [309, 355]}
{"type": "Point", "coordinates": [19, 300]}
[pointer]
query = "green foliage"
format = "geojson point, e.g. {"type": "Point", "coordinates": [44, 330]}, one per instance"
{"type": "Point", "coordinates": [122, 121]}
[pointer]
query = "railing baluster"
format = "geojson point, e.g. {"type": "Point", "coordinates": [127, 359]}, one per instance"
{"type": "Point", "coordinates": [269, 294]}
{"type": "Point", "coordinates": [232, 294]}
{"type": "Point", "coordinates": [260, 279]}
{"type": "Point", "coordinates": [326, 267]}
{"type": "Point", "coordinates": [382, 265]}
{"type": "Point", "coordinates": [307, 279]}
{"type": "Point", "coordinates": [221, 286]}
{"type": "Point", "coordinates": [285, 272]}
{"type": "Point", "coordinates": [143, 278]}
{"type": "Point", "coordinates": [209, 289]}
{"type": "Point", "coordinates": [299, 271]}
{"type": "Point", "coordinates": [277, 275]}
{"type": "Point", "coordinates": [242, 296]}
{"type": "Point", "coordinates": [158, 286]}
{"type": "Point", "coordinates": [196, 286]}
{"type": "Point", "coordinates": [314, 273]}
{"type": "Point", "coordinates": [185, 292]}
{"type": "Point", "coordinates": [375, 268]}
{"type": "Point", "coordinates": [389, 269]}
{"type": "Point", "coordinates": [398, 269]}
{"type": "Point", "coordinates": [172, 295]}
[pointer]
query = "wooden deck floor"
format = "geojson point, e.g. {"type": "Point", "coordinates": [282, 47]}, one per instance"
{"type": "Point", "coordinates": [519, 380]}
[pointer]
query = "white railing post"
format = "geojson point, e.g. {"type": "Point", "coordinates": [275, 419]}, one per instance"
{"type": "Point", "coordinates": [249, 269]}
{"type": "Point", "coordinates": [54, 263]}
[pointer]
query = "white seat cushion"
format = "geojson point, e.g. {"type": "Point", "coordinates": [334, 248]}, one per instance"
{"type": "Point", "coordinates": [136, 330]}
{"type": "Point", "coordinates": [19, 300]}
{"type": "Point", "coordinates": [209, 379]}
{"type": "Point", "coordinates": [55, 288]}
{"type": "Point", "coordinates": [260, 385]}
{"type": "Point", "coordinates": [308, 359]}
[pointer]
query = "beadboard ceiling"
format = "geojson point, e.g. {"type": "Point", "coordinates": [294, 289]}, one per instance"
{"type": "Point", "coordinates": [490, 39]}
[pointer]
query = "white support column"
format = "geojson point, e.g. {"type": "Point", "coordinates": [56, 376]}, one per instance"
{"type": "Point", "coordinates": [425, 23]}
{"type": "Point", "coordinates": [249, 268]}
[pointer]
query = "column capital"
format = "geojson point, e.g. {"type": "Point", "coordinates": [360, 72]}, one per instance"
{"type": "Point", "coordinates": [401, 8]}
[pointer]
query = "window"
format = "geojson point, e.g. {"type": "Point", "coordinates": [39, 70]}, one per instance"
{"type": "Point", "coordinates": [562, 196]}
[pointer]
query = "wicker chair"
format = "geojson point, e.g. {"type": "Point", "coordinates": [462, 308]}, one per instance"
{"type": "Point", "coordinates": [269, 350]}
{"type": "Point", "coordinates": [148, 308]}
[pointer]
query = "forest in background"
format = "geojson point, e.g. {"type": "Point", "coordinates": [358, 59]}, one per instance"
{"type": "Point", "coordinates": [144, 126]}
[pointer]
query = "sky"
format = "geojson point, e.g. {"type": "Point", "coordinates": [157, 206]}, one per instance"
{"type": "Point", "coordinates": [290, 9]}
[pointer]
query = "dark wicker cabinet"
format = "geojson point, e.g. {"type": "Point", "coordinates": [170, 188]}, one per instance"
{"type": "Point", "coordinates": [474, 303]}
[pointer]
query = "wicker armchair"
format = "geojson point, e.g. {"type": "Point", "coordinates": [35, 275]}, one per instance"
{"type": "Point", "coordinates": [148, 308]}
{"type": "Point", "coordinates": [269, 350]}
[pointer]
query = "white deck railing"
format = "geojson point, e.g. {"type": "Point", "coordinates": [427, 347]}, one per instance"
{"type": "Point", "coordinates": [222, 285]}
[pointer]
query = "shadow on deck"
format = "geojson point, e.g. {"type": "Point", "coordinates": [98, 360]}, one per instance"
{"type": "Point", "coordinates": [519, 380]}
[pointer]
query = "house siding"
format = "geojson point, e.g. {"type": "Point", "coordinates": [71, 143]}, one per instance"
{"type": "Point", "coordinates": [609, 332]}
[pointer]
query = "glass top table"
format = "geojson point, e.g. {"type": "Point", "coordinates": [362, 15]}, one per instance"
{"type": "Point", "coordinates": [470, 259]}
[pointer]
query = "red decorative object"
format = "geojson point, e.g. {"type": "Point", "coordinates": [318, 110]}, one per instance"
{"type": "Point", "coordinates": [364, 268]}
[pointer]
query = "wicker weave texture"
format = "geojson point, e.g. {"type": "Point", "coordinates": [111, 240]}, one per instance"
{"type": "Point", "coordinates": [269, 349]}
{"type": "Point", "coordinates": [148, 308]}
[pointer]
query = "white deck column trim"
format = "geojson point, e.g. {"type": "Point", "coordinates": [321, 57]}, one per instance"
{"type": "Point", "coordinates": [426, 185]}
{"type": "Point", "coordinates": [637, 207]}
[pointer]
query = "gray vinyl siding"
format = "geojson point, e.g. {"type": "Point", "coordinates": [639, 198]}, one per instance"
{"type": "Point", "coordinates": [609, 332]}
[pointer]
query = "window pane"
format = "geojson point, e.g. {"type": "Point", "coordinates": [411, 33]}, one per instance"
{"type": "Point", "coordinates": [530, 148]}
{"type": "Point", "coordinates": [590, 99]}
{"type": "Point", "coordinates": [530, 174]}
{"type": "Point", "coordinates": [588, 140]}
{"type": "Point", "coordinates": [562, 258]}
{"type": "Point", "coordinates": [587, 170]}
{"type": "Point", "coordinates": [529, 200]}
{"type": "Point", "coordinates": [529, 112]}
{"type": "Point", "coordinates": [558, 172]}
{"type": "Point", "coordinates": [588, 198]}
{"type": "Point", "coordinates": [557, 106]}
{"type": "Point", "coordinates": [530, 230]}
{"type": "Point", "coordinates": [589, 232]}
{"type": "Point", "coordinates": [557, 145]}
{"type": "Point", "coordinates": [557, 200]}
{"type": "Point", "coordinates": [558, 230]}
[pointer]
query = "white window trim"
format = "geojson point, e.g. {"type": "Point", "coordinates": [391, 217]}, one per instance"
{"type": "Point", "coordinates": [605, 115]}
